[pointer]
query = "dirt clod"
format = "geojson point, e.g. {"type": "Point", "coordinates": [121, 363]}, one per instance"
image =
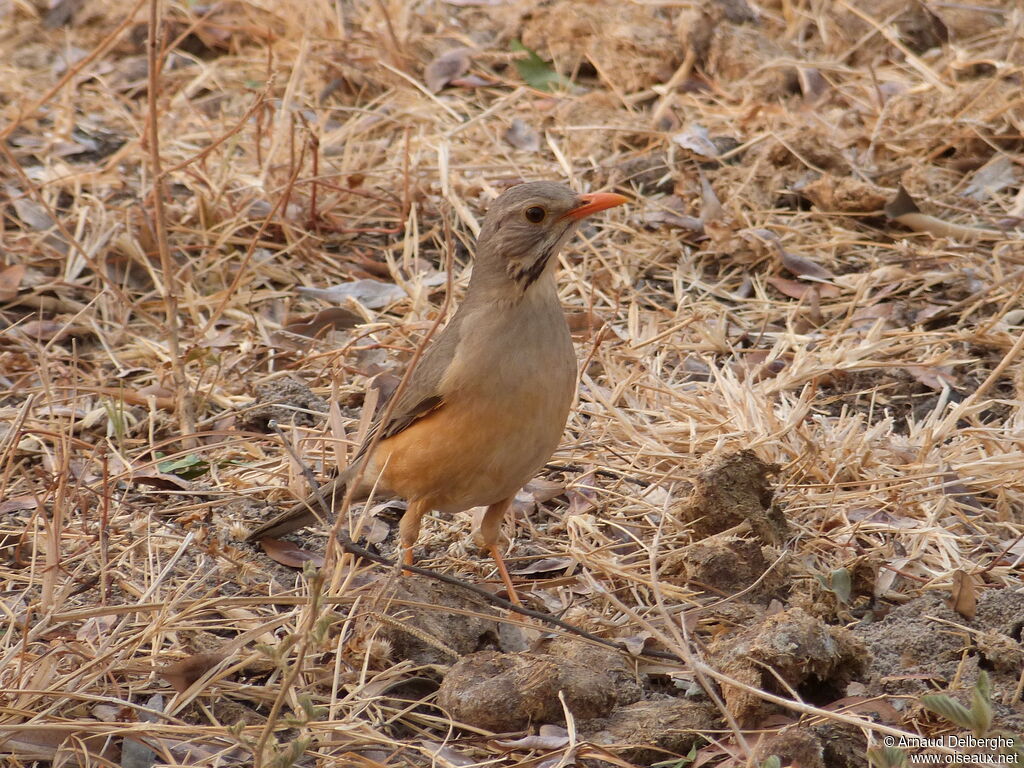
{"type": "Point", "coordinates": [285, 401]}
{"type": "Point", "coordinates": [729, 489]}
{"type": "Point", "coordinates": [726, 565]}
{"type": "Point", "coordinates": [426, 621]}
{"type": "Point", "coordinates": [509, 691]}
{"type": "Point", "coordinates": [809, 656]}
{"type": "Point", "coordinates": [655, 730]}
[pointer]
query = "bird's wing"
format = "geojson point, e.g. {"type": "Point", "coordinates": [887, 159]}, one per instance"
{"type": "Point", "coordinates": [422, 392]}
{"type": "Point", "coordinates": [421, 395]}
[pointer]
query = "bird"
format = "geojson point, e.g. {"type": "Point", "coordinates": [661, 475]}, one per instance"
{"type": "Point", "coordinates": [487, 403]}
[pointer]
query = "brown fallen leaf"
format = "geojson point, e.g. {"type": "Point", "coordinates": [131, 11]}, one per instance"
{"type": "Point", "coordinates": [801, 266]}
{"type": "Point", "coordinates": [470, 81]}
{"type": "Point", "coordinates": [181, 674]}
{"type": "Point", "coordinates": [812, 83]}
{"type": "Point", "coordinates": [549, 737]}
{"type": "Point", "coordinates": [48, 330]}
{"type": "Point", "coordinates": [335, 318]}
{"type": "Point", "coordinates": [712, 209]}
{"type": "Point", "coordinates": [161, 480]}
{"type": "Point", "coordinates": [930, 376]}
{"type": "Point", "coordinates": [95, 627]}
{"type": "Point", "coordinates": [544, 565]}
{"type": "Point", "coordinates": [582, 498]}
{"type": "Point", "coordinates": [446, 67]}
{"type": "Point", "coordinates": [673, 212]}
{"type": "Point", "coordinates": [797, 290]}
{"type": "Point", "coordinates": [521, 136]}
{"type": "Point", "coordinates": [873, 705]}
{"type": "Point", "coordinates": [82, 748]}
{"type": "Point", "coordinates": [31, 213]}
{"type": "Point", "coordinates": [964, 597]}
{"type": "Point", "coordinates": [10, 280]}
{"type": "Point", "coordinates": [17, 504]}
{"type": "Point", "coordinates": [583, 323]}
{"type": "Point", "coordinates": [292, 555]}
{"type": "Point", "coordinates": [544, 490]}
{"type": "Point", "coordinates": [903, 210]}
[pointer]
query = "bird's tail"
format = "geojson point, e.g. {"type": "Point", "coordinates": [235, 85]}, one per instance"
{"type": "Point", "coordinates": [308, 512]}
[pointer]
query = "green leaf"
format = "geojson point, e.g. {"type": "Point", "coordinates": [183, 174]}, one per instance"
{"type": "Point", "coordinates": [188, 467]}
{"type": "Point", "coordinates": [981, 709]}
{"type": "Point", "coordinates": [842, 584]}
{"type": "Point", "coordinates": [887, 757]}
{"type": "Point", "coordinates": [772, 762]}
{"type": "Point", "coordinates": [984, 686]}
{"type": "Point", "coordinates": [536, 72]}
{"type": "Point", "coordinates": [949, 708]}
{"type": "Point", "coordinates": [681, 763]}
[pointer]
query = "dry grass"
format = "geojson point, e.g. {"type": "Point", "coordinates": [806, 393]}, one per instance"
{"type": "Point", "coordinates": [299, 146]}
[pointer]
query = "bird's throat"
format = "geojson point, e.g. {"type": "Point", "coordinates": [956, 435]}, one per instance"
{"type": "Point", "coordinates": [525, 275]}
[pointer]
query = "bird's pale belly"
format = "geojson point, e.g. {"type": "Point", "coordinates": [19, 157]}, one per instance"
{"type": "Point", "coordinates": [460, 457]}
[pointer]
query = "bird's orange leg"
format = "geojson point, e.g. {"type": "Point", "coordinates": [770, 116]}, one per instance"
{"type": "Point", "coordinates": [490, 530]}
{"type": "Point", "coordinates": [409, 528]}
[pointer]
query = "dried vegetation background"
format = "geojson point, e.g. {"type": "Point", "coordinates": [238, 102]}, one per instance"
{"type": "Point", "coordinates": [796, 460]}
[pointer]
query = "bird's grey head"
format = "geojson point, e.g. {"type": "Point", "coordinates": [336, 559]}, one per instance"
{"type": "Point", "coordinates": [527, 225]}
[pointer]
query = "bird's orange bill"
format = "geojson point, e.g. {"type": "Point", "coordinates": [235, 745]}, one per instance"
{"type": "Point", "coordinates": [594, 202]}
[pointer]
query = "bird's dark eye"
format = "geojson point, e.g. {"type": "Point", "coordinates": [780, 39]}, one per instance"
{"type": "Point", "coordinates": [535, 214]}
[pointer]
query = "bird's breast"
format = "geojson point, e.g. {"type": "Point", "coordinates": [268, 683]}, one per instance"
{"type": "Point", "coordinates": [506, 394]}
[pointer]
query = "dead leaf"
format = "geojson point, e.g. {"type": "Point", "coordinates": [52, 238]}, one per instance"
{"type": "Point", "coordinates": [544, 490]}
{"type": "Point", "coordinates": [903, 210]}
{"type": "Point", "coordinates": [671, 211]}
{"type": "Point", "coordinates": [865, 317]}
{"type": "Point", "coordinates": [447, 754]}
{"type": "Point", "coordinates": [964, 598]}
{"type": "Point", "coordinates": [992, 178]}
{"type": "Point", "coordinates": [292, 555]}
{"type": "Point", "coordinates": [582, 498]}
{"type": "Point", "coordinates": [446, 67]}
{"type": "Point", "coordinates": [522, 136]}
{"type": "Point", "coordinates": [711, 207]}
{"type": "Point", "coordinates": [470, 81]}
{"type": "Point", "coordinates": [31, 213]}
{"type": "Point", "coordinates": [48, 330]}
{"type": "Point", "coordinates": [931, 376]}
{"type": "Point", "coordinates": [636, 644]}
{"type": "Point", "coordinates": [797, 290]}
{"type": "Point", "coordinates": [695, 138]}
{"type": "Point", "coordinates": [801, 266]}
{"type": "Point", "coordinates": [94, 628]}
{"type": "Point", "coordinates": [374, 531]}
{"type": "Point", "coordinates": [549, 737]}
{"type": "Point", "coordinates": [10, 280]}
{"type": "Point", "coordinates": [335, 318]}
{"type": "Point", "coordinates": [160, 480]}
{"type": "Point", "coordinates": [583, 323]}
{"type": "Point", "coordinates": [372, 294]}
{"type": "Point", "coordinates": [544, 565]}
{"type": "Point", "coordinates": [182, 674]}
{"type": "Point", "coordinates": [47, 745]}
{"type": "Point", "coordinates": [953, 487]}
{"type": "Point", "coordinates": [880, 708]}
{"type": "Point", "coordinates": [812, 83]}
{"type": "Point", "coordinates": [17, 504]}
{"type": "Point", "coordinates": [880, 517]}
